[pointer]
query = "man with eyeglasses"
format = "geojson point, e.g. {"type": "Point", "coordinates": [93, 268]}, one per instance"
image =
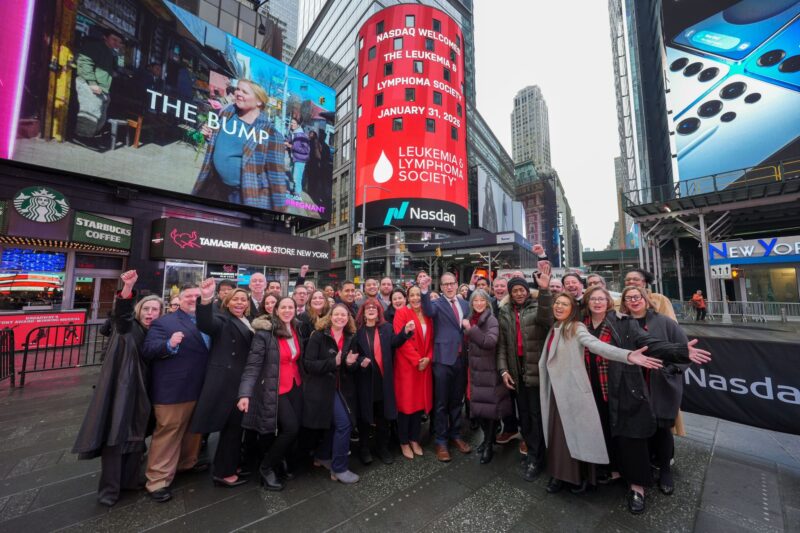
{"type": "Point", "coordinates": [449, 362]}
{"type": "Point", "coordinates": [595, 279]}
{"type": "Point", "coordinates": [658, 302]}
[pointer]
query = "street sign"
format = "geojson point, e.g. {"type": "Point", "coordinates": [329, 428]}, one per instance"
{"type": "Point", "coordinates": [721, 271]}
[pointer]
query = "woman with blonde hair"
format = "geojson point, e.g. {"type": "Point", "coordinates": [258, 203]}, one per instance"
{"type": "Point", "coordinates": [244, 161]}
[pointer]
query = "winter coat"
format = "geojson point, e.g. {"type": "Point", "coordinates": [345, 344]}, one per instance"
{"type": "Point", "coordinates": [630, 414]}
{"type": "Point", "coordinates": [666, 385]}
{"type": "Point", "coordinates": [323, 379]}
{"type": "Point", "coordinates": [260, 379]}
{"type": "Point", "coordinates": [489, 398]}
{"type": "Point", "coordinates": [365, 377]}
{"type": "Point", "coordinates": [413, 387]}
{"type": "Point", "coordinates": [119, 411]}
{"type": "Point", "coordinates": [562, 373]}
{"type": "Point", "coordinates": [230, 344]}
{"type": "Point", "coordinates": [301, 147]}
{"type": "Point", "coordinates": [305, 327]}
{"type": "Point", "coordinates": [536, 319]}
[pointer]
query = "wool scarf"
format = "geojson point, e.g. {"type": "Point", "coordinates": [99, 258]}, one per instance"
{"type": "Point", "coordinates": [602, 364]}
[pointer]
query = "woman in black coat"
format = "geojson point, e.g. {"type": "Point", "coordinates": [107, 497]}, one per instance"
{"type": "Point", "coordinates": [375, 342]}
{"type": "Point", "coordinates": [489, 398]}
{"type": "Point", "coordinates": [116, 423]}
{"type": "Point", "coordinates": [317, 307]}
{"type": "Point", "coordinates": [270, 393]}
{"type": "Point", "coordinates": [329, 392]}
{"type": "Point", "coordinates": [231, 334]}
{"type": "Point", "coordinates": [625, 395]}
{"type": "Point", "coordinates": [665, 386]}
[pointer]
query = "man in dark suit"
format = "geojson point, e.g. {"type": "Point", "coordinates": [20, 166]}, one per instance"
{"type": "Point", "coordinates": [258, 288]}
{"type": "Point", "coordinates": [449, 362]}
{"type": "Point", "coordinates": [178, 353]}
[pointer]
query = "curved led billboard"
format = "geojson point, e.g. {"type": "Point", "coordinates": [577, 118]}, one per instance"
{"type": "Point", "coordinates": [733, 74]}
{"type": "Point", "coordinates": [146, 93]}
{"type": "Point", "coordinates": [411, 149]}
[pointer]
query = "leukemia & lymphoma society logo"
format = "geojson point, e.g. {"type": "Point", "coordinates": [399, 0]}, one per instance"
{"type": "Point", "coordinates": [41, 204]}
{"type": "Point", "coordinates": [184, 240]}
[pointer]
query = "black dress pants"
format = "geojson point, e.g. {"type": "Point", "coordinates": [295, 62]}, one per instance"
{"type": "Point", "coordinates": [409, 427]}
{"type": "Point", "coordinates": [118, 471]}
{"type": "Point", "coordinates": [290, 416]}
{"type": "Point", "coordinates": [530, 414]}
{"type": "Point", "coordinates": [229, 445]}
{"type": "Point", "coordinates": [382, 429]}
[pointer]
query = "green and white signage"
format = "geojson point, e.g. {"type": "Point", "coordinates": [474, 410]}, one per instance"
{"type": "Point", "coordinates": [101, 231]}
{"type": "Point", "coordinates": [41, 204]}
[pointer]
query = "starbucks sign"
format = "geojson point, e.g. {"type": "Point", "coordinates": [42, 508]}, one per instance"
{"type": "Point", "coordinates": [41, 204]}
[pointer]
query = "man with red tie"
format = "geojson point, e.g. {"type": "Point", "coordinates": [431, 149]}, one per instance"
{"type": "Point", "coordinates": [449, 362]}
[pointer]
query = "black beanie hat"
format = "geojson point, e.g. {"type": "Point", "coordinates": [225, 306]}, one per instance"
{"type": "Point", "coordinates": [513, 282]}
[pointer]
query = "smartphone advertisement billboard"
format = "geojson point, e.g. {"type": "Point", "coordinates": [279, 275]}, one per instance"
{"type": "Point", "coordinates": [411, 149]}
{"type": "Point", "coordinates": [733, 79]}
{"type": "Point", "coordinates": [146, 93]}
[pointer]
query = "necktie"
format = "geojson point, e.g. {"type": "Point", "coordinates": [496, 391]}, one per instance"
{"type": "Point", "coordinates": [206, 338]}
{"type": "Point", "coordinates": [455, 310]}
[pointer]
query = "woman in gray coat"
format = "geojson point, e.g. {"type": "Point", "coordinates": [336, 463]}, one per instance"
{"type": "Point", "coordinates": [572, 429]}
{"type": "Point", "coordinates": [489, 398]}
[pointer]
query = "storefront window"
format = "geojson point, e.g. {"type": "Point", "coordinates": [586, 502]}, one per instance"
{"type": "Point", "coordinates": [772, 285]}
{"type": "Point", "coordinates": [179, 273]}
{"type": "Point", "coordinates": [31, 278]}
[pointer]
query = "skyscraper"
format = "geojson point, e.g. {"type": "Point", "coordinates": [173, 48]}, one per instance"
{"type": "Point", "coordinates": [286, 15]}
{"type": "Point", "coordinates": [530, 128]}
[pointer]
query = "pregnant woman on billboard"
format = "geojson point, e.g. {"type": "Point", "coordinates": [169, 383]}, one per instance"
{"type": "Point", "coordinates": [244, 159]}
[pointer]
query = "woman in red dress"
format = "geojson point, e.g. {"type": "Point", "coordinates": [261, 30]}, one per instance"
{"type": "Point", "coordinates": [413, 380]}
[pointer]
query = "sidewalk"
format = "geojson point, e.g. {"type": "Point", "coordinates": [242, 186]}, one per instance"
{"type": "Point", "coordinates": [728, 478]}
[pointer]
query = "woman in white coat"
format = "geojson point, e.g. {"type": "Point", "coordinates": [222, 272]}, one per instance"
{"type": "Point", "coordinates": [573, 434]}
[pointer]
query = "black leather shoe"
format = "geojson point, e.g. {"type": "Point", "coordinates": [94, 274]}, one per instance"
{"type": "Point", "coordinates": [481, 447]}
{"type": "Point", "coordinates": [635, 502]}
{"type": "Point", "coordinates": [554, 485]}
{"type": "Point", "coordinates": [665, 483]}
{"type": "Point", "coordinates": [365, 455]}
{"type": "Point", "coordinates": [385, 456]}
{"type": "Point", "coordinates": [161, 495]}
{"type": "Point", "coordinates": [580, 489]}
{"type": "Point", "coordinates": [220, 482]}
{"type": "Point", "coordinates": [532, 471]}
{"type": "Point", "coordinates": [199, 466]}
{"type": "Point", "coordinates": [108, 501]}
{"type": "Point", "coordinates": [271, 481]}
{"type": "Point", "coordinates": [284, 472]}
{"type": "Point", "coordinates": [487, 453]}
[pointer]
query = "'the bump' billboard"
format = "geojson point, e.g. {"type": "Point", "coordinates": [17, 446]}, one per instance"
{"type": "Point", "coordinates": [411, 151]}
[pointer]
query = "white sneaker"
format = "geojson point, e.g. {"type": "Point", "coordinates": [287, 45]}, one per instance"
{"type": "Point", "coordinates": [347, 477]}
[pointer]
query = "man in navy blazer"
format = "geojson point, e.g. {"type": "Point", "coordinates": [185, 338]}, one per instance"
{"type": "Point", "coordinates": [178, 353]}
{"type": "Point", "coordinates": [449, 362]}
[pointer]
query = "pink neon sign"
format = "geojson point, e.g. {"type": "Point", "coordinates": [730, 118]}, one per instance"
{"type": "Point", "coordinates": [14, 40]}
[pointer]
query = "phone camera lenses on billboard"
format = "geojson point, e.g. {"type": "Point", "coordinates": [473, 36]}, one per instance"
{"type": "Point", "coordinates": [752, 98]}
{"type": "Point", "coordinates": [688, 126]}
{"type": "Point", "coordinates": [727, 117]}
{"type": "Point", "coordinates": [709, 109]}
{"type": "Point", "coordinates": [708, 74]}
{"type": "Point", "coordinates": [771, 58]}
{"type": "Point", "coordinates": [733, 90]}
{"type": "Point", "coordinates": [791, 65]}
{"type": "Point", "coordinates": [693, 69]}
{"type": "Point", "coordinates": [678, 64]}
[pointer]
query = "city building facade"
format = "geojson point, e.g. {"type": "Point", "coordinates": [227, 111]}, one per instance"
{"type": "Point", "coordinates": [530, 128]}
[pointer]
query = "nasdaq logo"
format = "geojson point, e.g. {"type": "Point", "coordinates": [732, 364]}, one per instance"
{"type": "Point", "coordinates": [395, 213]}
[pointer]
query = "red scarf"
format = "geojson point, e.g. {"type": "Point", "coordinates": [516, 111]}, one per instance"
{"type": "Point", "coordinates": [519, 333]}
{"type": "Point", "coordinates": [602, 363]}
{"type": "Point", "coordinates": [376, 350]}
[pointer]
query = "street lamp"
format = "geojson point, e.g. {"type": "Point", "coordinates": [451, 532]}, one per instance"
{"type": "Point", "coordinates": [364, 227]}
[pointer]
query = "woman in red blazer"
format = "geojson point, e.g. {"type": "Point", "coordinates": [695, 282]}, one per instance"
{"type": "Point", "coordinates": [413, 380]}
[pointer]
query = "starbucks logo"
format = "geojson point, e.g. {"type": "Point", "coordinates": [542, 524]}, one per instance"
{"type": "Point", "coordinates": [41, 204]}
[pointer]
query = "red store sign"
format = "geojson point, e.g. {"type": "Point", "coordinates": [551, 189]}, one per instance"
{"type": "Point", "coordinates": [411, 153]}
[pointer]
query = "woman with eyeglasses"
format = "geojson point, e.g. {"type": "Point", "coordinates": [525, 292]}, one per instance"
{"type": "Point", "coordinates": [658, 302]}
{"type": "Point", "coordinates": [665, 386]}
{"type": "Point", "coordinates": [623, 392]}
{"type": "Point", "coordinates": [375, 343]}
{"type": "Point", "coordinates": [174, 304]}
{"type": "Point", "coordinates": [569, 414]}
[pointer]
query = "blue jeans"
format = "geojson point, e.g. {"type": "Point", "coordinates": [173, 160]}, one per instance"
{"type": "Point", "coordinates": [449, 384]}
{"type": "Point", "coordinates": [335, 444]}
{"type": "Point", "coordinates": [297, 176]}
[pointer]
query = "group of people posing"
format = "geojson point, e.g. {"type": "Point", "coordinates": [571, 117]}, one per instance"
{"type": "Point", "coordinates": [591, 392]}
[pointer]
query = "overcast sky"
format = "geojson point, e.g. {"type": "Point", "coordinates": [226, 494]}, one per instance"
{"type": "Point", "coordinates": [564, 48]}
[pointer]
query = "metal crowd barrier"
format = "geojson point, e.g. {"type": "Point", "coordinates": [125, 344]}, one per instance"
{"type": "Point", "coordinates": [65, 346]}
{"type": "Point", "coordinates": [7, 355]}
{"type": "Point", "coordinates": [747, 311]}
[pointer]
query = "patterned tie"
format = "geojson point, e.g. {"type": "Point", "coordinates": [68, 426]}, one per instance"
{"type": "Point", "coordinates": [455, 310]}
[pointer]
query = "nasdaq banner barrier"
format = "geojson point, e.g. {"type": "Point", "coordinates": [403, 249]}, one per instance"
{"type": "Point", "coordinates": [751, 382]}
{"type": "Point", "coordinates": [411, 151]}
{"type": "Point", "coordinates": [733, 74]}
{"type": "Point", "coordinates": [146, 93]}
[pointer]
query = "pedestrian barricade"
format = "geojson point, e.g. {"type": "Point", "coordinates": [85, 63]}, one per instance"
{"type": "Point", "coordinates": [7, 355]}
{"type": "Point", "coordinates": [60, 347]}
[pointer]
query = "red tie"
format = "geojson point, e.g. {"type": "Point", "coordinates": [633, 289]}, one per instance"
{"type": "Point", "coordinates": [455, 310]}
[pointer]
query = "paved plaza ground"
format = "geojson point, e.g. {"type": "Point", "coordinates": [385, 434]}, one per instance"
{"type": "Point", "coordinates": [729, 478]}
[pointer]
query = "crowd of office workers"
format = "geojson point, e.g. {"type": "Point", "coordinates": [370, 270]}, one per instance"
{"type": "Point", "coordinates": [588, 386]}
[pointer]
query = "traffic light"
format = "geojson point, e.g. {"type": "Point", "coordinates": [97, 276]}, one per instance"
{"type": "Point", "coordinates": [438, 251]}
{"type": "Point", "coordinates": [358, 250]}
{"type": "Point", "coordinates": [403, 247]}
